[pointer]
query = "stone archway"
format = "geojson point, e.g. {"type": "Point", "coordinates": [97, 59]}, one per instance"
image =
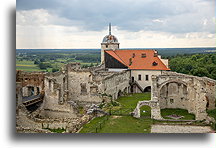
{"type": "Point", "coordinates": [155, 109]}
{"type": "Point", "coordinates": [173, 94]}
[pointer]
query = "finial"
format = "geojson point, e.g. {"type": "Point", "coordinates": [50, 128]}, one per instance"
{"type": "Point", "coordinates": [109, 28]}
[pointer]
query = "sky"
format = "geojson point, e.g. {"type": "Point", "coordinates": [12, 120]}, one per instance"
{"type": "Point", "coordinates": [76, 24]}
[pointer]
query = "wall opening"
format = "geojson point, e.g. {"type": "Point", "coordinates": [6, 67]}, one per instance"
{"type": "Point", "coordinates": [145, 111]}
{"type": "Point", "coordinates": [119, 93]}
{"type": "Point", "coordinates": [147, 89]}
{"type": "Point", "coordinates": [132, 79]}
{"type": "Point", "coordinates": [83, 88]}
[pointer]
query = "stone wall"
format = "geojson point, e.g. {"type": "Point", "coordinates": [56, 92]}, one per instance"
{"type": "Point", "coordinates": [55, 103]}
{"type": "Point", "coordinates": [73, 88]}
{"type": "Point", "coordinates": [30, 81]}
{"type": "Point", "coordinates": [174, 90]}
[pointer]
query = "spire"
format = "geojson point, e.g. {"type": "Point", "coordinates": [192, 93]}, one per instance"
{"type": "Point", "coordinates": [109, 28]}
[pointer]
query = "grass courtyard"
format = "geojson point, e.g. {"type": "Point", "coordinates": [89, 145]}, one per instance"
{"type": "Point", "coordinates": [124, 122]}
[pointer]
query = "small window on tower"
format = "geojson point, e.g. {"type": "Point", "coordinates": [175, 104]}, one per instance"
{"type": "Point", "coordinates": [106, 46]}
{"type": "Point", "coordinates": [133, 55]}
{"type": "Point", "coordinates": [143, 55]}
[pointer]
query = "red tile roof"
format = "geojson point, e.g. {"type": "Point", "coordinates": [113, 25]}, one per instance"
{"type": "Point", "coordinates": [138, 62]}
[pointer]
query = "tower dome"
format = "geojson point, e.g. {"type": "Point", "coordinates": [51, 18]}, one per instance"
{"type": "Point", "coordinates": [110, 38]}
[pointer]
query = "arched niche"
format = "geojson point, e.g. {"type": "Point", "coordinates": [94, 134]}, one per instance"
{"type": "Point", "coordinates": [173, 94]}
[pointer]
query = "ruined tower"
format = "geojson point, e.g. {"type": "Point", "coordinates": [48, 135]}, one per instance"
{"type": "Point", "coordinates": [110, 42]}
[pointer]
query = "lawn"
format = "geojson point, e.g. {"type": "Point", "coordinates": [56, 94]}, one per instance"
{"type": "Point", "coordinates": [118, 124]}
{"type": "Point", "coordinates": [131, 100]}
{"type": "Point", "coordinates": [122, 124]}
{"type": "Point", "coordinates": [180, 112]}
{"type": "Point", "coordinates": [212, 113]}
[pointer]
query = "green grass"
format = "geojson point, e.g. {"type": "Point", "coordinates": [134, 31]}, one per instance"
{"type": "Point", "coordinates": [212, 113]}
{"type": "Point", "coordinates": [180, 112]}
{"type": "Point", "coordinates": [28, 66]}
{"type": "Point", "coordinates": [131, 100]}
{"type": "Point", "coordinates": [24, 62]}
{"type": "Point", "coordinates": [123, 124]}
{"type": "Point", "coordinates": [91, 126]}
{"type": "Point", "coordinates": [118, 124]}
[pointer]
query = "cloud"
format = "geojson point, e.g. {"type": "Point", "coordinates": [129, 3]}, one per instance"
{"type": "Point", "coordinates": [137, 23]}
{"type": "Point", "coordinates": [179, 16]}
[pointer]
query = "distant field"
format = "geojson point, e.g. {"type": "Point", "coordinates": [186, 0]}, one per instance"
{"type": "Point", "coordinates": [28, 66]}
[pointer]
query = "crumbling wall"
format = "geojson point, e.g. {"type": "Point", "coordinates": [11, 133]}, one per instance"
{"type": "Point", "coordinates": [116, 84]}
{"type": "Point", "coordinates": [174, 90]}
{"type": "Point", "coordinates": [56, 96]}
{"type": "Point", "coordinates": [30, 81]}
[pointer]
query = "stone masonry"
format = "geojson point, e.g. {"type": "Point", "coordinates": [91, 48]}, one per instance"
{"type": "Point", "coordinates": [174, 90]}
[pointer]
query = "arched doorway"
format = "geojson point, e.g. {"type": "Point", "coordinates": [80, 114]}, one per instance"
{"type": "Point", "coordinates": [147, 89]}
{"type": "Point", "coordinates": [119, 93]}
{"type": "Point", "coordinates": [145, 111]}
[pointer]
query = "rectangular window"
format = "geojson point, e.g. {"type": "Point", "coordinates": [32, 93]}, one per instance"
{"type": "Point", "coordinates": [147, 77]}
{"type": "Point", "coordinates": [139, 77]}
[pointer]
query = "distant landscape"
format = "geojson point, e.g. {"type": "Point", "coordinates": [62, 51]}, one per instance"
{"type": "Point", "coordinates": [194, 61]}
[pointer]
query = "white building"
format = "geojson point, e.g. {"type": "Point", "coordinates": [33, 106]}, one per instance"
{"type": "Point", "coordinates": [142, 64]}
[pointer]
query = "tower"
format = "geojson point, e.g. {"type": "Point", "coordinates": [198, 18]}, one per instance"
{"type": "Point", "coordinates": [110, 42]}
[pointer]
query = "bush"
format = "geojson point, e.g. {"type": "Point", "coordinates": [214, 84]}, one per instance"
{"type": "Point", "coordinates": [55, 69]}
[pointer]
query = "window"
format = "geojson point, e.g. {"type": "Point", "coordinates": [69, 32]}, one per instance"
{"type": "Point", "coordinates": [139, 77]}
{"type": "Point", "coordinates": [154, 63]}
{"type": "Point", "coordinates": [143, 55]}
{"type": "Point", "coordinates": [106, 46]}
{"type": "Point", "coordinates": [133, 55]}
{"type": "Point", "coordinates": [171, 101]}
{"type": "Point", "coordinates": [132, 78]}
{"type": "Point", "coordinates": [147, 77]}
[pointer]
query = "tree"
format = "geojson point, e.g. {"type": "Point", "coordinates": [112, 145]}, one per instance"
{"type": "Point", "coordinates": [43, 65]}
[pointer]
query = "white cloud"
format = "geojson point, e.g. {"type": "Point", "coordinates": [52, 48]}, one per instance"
{"type": "Point", "coordinates": [142, 25]}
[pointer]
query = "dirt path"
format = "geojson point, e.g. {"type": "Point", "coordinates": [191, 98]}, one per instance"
{"type": "Point", "coordinates": [180, 129]}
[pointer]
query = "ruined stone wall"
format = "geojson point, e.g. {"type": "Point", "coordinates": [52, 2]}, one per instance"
{"type": "Point", "coordinates": [55, 103]}
{"type": "Point", "coordinates": [116, 84]}
{"type": "Point", "coordinates": [33, 80]}
{"type": "Point", "coordinates": [89, 85]}
{"type": "Point", "coordinates": [174, 90]}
